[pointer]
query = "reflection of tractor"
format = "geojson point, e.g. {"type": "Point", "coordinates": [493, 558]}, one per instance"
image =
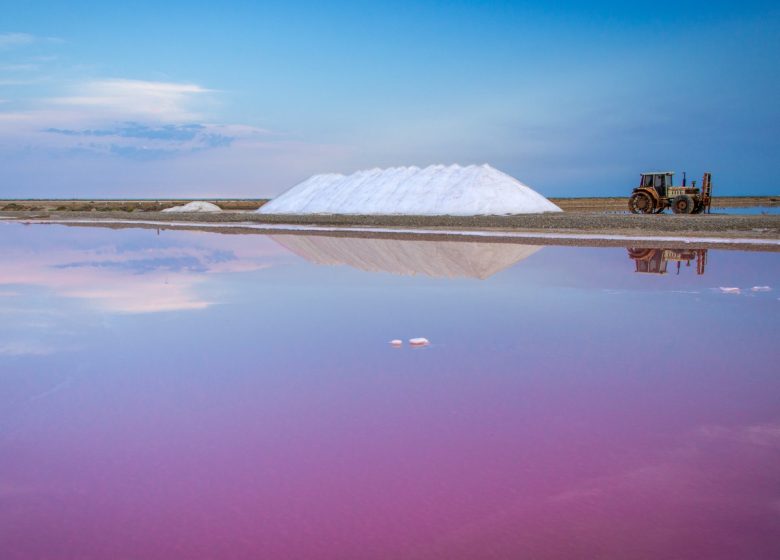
{"type": "Point", "coordinates": [655, 193]}
{"type": "Point", "coordinates": [653, 261]}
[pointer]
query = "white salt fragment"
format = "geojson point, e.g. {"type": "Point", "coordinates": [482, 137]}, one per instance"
{"type": "Point", "coordinates": [435, 190]}
{"type": "Point", "coordinates": [396, 342]}
{"type": "Point", "coordinates": [195, 206]}
{"type": "Point", "coordinates": [419, 341]}
{"type": "Point", "coordinates": [760, 289]}
{"type": "Point", "coordinates": [730, 290]}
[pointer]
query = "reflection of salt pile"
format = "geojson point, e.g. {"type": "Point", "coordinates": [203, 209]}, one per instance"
{"type": "Point", "coordinates": [407, 257]}
{"type": "Point", "coordinates": [434, 190]}
{"type": "Point", "coordinates": [196, 206]}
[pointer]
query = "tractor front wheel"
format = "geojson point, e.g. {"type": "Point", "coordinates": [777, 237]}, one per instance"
{"type": "Point", "coordinates": [683, 204]}
{"type": "Point", "coordinates": [641, 203]}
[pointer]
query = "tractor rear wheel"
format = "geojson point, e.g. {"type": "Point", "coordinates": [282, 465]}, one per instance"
{"type": "Point", "coordinates": [641, 203]}
{"type": "Point", "coordinates": [683, 204]}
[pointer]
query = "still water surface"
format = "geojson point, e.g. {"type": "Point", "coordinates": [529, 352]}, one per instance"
{"type": "Point", "coordinates": [191, 395]}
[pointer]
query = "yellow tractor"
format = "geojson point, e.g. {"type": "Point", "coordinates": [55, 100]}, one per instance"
{"type": "Point", "coordinates": [656, 193]}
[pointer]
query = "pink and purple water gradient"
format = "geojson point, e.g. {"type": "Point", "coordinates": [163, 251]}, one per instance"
{"type": "Point", "coordinates": [197, 396]}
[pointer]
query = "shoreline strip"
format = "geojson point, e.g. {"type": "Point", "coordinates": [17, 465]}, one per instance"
{"type": "Point", "coordinates": [417, 231]}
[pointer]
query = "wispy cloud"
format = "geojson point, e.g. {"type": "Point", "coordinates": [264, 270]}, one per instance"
{"type": "Point", "coordinates": [140, 141]}
{"type": "Point", "coordinates": [18, 67]}
{"type": "Point", "coordinates": [131, 119]}
{"type": "Point", "coordinates": [138, 130]}
{"type": "Point", "coordinates": [75, 133]}
{"type": "Point", "coordinates": [15, 39]}
{"type": "Point", "coordinates": [165, 101]}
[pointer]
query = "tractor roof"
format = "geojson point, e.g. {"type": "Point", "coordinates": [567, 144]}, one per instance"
{"type": "Point", "coordinates": [658, 173]}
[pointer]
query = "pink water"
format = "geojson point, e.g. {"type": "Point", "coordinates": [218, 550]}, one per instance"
{"type": "Point", "coordinates": [188, 396]}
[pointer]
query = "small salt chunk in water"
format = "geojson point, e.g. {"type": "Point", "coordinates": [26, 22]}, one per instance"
{"type": "Point", "coordinates": [730, 290]}
{"type": "Point", "coordinates": [396, 342]}
{"type": "Point", "coordinates": [760, 289]}
{"type": "Point", "coordinates": [419, 341]}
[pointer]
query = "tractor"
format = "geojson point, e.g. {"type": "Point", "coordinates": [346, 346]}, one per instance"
{"type": "Point", "coordinates": [654, 261]}
{"type": "Point", "coordinates": [655, 194]}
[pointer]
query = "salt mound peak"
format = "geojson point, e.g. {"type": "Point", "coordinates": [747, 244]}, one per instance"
{"type": "Point", "coordinates": [434, 190]}
{"type": "Point", "coordinates": [195, 206]}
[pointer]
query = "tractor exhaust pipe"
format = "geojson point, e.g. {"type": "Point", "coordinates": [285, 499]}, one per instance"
{"type": "Point", "coordinates": [684, 179]}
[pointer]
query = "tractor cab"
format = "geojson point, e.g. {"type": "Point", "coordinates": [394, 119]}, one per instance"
{"type": "Point", "coordinates": [659, 181]}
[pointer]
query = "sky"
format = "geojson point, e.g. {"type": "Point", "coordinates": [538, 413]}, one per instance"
{"type": "Point", "coordinates": [245, 99]}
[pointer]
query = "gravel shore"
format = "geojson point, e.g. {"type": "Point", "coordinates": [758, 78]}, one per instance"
{"type": "Point", "coordinates": [767, 226]}
{"type": "Point", "coordinates": [734, 227]}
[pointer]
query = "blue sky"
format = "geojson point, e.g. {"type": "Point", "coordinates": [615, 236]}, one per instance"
{"type": "Point", "coordinates": [102, 99]}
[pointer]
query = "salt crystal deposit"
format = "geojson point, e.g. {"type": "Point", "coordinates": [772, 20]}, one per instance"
{"type": "Point", "coordinates": [439, 259]}
{"type": "Point", "coordinates": [726, 290]}
{"type": "Point", "coordinates": [761, 289]}
{"type": "Point", "coordinates": [436, 190]}
{"type": "Point", "coordinates": [195, 206]}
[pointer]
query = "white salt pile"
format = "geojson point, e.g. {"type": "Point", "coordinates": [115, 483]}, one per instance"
{"type": "Point", "coordinates": [727, 290]}
{"type": "Point", "coordinates": [436, 190]}
{"type": "Point", "coordinates": [397, 343]}
{"type": "Point", "coordinates": [195, 206]}
{"type": "Point", "coordinates": [419, 341]}
{"type": "Point", "coordinates": [761, 289]}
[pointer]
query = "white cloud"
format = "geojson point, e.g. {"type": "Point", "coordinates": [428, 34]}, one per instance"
{"type": "Point", "coordinates": [12, 39]}
{"type": "Point", "coordinates": [83, 131]}
{"type": "Point", "coordinates": [19, 67]}
{"type": "Point", "coordinates": [15, 39]}
{"type": "Point", "coordinates": [164, 101]}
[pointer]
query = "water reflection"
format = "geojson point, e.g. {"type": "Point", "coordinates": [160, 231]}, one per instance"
{"type": "Point", "coordinates": [438, 259]}
{"type": "Point", "coordinates": [280, 424]}
{"type": "Point", "coordinates": [655, 261]}
{"type": "Point", "coordinates": [131, 273]}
